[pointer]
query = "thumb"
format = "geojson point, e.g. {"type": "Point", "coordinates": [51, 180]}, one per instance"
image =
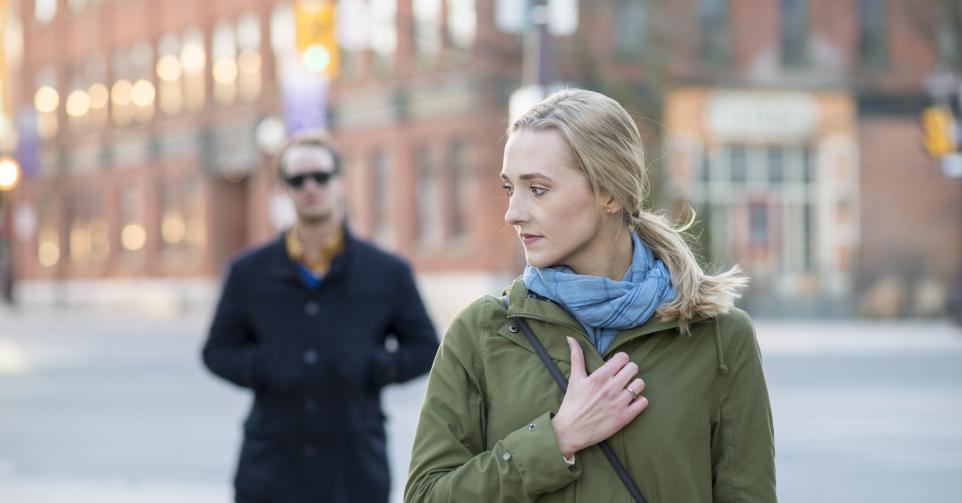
{"type": "Point", "coordinates": [577, 361]}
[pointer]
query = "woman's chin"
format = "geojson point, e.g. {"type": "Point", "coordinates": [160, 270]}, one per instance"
{"type": "Point", "coordinates": [536, 259]}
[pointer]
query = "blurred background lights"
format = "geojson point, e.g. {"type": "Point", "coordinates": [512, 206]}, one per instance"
{"type": "Point", "coordinates": [316, 58]}
{"type": "Point", "coordinates": [99, 96]}
{"type": "Point", "coordinates": [249, 61]}
{"type": "Point", "coordinates": [168, 68]}
{"type": "Point", "coordinates": [46, 99]}
{"type": "Point", "coordinates": [78, 103]}
{"type": "Point", "coordinates": [142, 93]}
{"type": "Point", "coordinates": [9, 173]}
{"type": "Point", "coordinates": [120, 93]}
{"type": "Point", "coordinates": [225, 71]}
{"type": "Point", "coordinates": [133, 237]}
{"type": "Point", "coordinates": [192, 57]}
{"type": "Point", "coordinates": [172, 228]}
{"type": "Point", "coordinates": [48, 251]}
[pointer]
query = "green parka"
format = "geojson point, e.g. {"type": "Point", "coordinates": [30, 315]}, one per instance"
{"type": "Point", "coordinates": [485, 433]}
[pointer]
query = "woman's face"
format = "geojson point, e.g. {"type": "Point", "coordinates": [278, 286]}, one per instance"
{"type": "Point", "coordinates": [550, 202]}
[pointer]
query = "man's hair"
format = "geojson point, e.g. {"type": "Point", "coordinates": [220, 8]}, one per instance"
{"type": "Point", "coordinates": [308, 138]}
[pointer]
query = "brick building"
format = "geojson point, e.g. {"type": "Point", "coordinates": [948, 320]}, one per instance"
{"type": "Point", "coordinates": [791, 126]}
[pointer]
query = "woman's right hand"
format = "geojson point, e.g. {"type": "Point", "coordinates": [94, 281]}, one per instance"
{"type": "Point", "coordinates": [595, 407]}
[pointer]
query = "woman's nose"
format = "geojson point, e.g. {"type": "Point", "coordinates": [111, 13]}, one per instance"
{"type": "Point", "coordinates": [516, 213]}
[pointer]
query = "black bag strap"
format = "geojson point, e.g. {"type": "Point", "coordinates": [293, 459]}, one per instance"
{"type": "Point", "coordinates": [563, 384]}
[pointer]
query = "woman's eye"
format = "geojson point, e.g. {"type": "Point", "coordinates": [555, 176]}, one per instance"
{"type": "Point", "coordinates": [507, 188]}
{"type": "Point", "coordinates": [538, 191]}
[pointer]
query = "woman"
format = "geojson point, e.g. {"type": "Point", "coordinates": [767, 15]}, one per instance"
{"type": "Point", "coordinates": [660, 363]}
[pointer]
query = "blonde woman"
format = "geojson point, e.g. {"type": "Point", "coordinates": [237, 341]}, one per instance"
{"type": "Point", "coordinates": [660, 365]}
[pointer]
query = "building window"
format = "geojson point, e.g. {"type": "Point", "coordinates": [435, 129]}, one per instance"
{"type": "Point", "coordinates": [89, 234]}
{"type": "Point", "coordinates": [758, 224]}
{"type": "Point", "coordinates": [873, 29]}
{"type": "Point", "coordinates": [807, 167]}
{"type": "Point", "coordinates": [224, 68]}
{"type": "Point", "coordinates": [738, 164]}
{"type": "Point", "coordinates": [44, 10]}
{"type": "Point", "coordinates": [86, 103]}
{"type": "Point", "coordinates": [457, 193]}
{"type": "Point", "coordinates": [170, 75]}
{"type": "Point", "coordinates": [948, 35]}
{"type": "Point", "coordinates": [794, 31]}
{"type": "Point", "coordinates": [77, 104]}
{"type": "Point", "coordinates": [384, 33]}
{"type": "Point", "coordinates": [182, 215]}
{"type": "Point", "coordinates": [282, 39]}
{"type": "Point", "coordinates": [46, 100]}
{"type": "Point", "coordinates": [143, 94]}
{"type": "Point", "coordinates": [48, 235]}
{"type": "Point", "coordinates": [776, 165]}
{"type": "Point", "coordinates": [427, 28]}
{"type": "Point", "coordinates": [121, 107]}
{"type": "Point", "coordinates": [249, 60]}
{"type": "Point", "coordinates": [716, 45]}
{"type": "Point", "coordinates": [631, 34]}
{"type": "Point", "coordinates": [193, 62]}
{"type": "Point", "coordinates": [462, 23]}
{"type": "Point", "coordinates": [97, 92]}
{"type": "Point", "coordinates": [133, 233]}
{"type": "Point", "coordinates": [425, 199]}
{"type": "Point", "coordinates": [133, 95]}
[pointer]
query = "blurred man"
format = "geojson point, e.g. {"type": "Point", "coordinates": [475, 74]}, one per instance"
{"type": "Point", "coordinates": [303, 321]}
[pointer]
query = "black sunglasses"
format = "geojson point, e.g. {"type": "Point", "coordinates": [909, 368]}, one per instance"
{"type": "Point", "coordinates": [321, 177]}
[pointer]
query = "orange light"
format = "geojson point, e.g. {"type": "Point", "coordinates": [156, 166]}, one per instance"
{"type": "Point", "coordinates": [9, 173]}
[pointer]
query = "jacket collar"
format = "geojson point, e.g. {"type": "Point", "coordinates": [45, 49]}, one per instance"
{"type": "Point", "coordinates": [282, 268]}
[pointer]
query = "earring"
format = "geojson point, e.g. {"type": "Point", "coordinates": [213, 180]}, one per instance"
{"type": "Point", "coordinates": [608, 211]}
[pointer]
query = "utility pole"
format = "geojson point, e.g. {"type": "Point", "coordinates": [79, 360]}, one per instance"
{"type": "Point", "coordinates": [9, 179]}
{"type": "Point", "coordinates": [542, 21]}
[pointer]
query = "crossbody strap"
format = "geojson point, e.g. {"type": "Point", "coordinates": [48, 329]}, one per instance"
{"type": "Point", "coordinates": [563, 384]}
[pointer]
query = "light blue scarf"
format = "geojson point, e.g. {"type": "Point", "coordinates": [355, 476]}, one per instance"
{"type": "Point", "coordinates": [604, 306]}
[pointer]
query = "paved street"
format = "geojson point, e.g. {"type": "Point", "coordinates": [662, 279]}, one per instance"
{"type": "Point", "coordinates": [112, 407]}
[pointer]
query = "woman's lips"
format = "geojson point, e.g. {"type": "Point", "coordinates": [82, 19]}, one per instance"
{"type": "Point", "coordinates": [527, 239]}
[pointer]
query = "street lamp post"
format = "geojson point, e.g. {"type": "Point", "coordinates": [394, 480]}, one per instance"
{"type": "Point", "coordinates": [9, 179]}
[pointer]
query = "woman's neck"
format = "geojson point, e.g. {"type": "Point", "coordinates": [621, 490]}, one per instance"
{"type": "Point", "coordinates": [612, 258]}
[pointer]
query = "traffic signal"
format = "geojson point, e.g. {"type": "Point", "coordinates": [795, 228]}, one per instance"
{"type": "Point", "coordinates": [315, 28]}
{"type": "Point", "coordinates": [940, 131]}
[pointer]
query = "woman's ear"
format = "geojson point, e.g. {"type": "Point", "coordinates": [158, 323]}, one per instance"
{"type": "Point", "coordinates": [610, 205]}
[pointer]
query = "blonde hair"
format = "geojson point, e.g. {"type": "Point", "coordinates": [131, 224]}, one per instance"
{"type": "Point", "coordinates": [607, 148]}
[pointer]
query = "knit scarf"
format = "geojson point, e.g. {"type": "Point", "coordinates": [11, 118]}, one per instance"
{"type": "Point", "coordinates": [604, 306]}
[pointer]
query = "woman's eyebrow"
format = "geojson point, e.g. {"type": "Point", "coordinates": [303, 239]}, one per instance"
{"type": "Point", "coordinates": [530, 176]}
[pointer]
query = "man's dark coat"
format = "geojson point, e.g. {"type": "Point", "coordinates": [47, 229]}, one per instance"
{"type": "Point", "coordinates": [316, 361]}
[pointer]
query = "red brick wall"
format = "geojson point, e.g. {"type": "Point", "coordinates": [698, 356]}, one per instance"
{"type": "Point", "coordinates": [911, 221]}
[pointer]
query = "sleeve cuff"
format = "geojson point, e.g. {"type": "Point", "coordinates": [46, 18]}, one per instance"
{"type": "Point", "coordinates": [534, 450]}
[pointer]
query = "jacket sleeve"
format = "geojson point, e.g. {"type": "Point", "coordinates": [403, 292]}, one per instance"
{"type": "Point", "coordinates": [743, 451]}
{"type": "Point", "coordinates": [417, 340]}
{"type": "Point", "coordinates": [450, 461]}
{"type": "Point", "coordinates": [230, 351]}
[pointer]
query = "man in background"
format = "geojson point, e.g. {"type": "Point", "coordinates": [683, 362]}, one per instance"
{"type": "Point", "coordinates": [303, 322]}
